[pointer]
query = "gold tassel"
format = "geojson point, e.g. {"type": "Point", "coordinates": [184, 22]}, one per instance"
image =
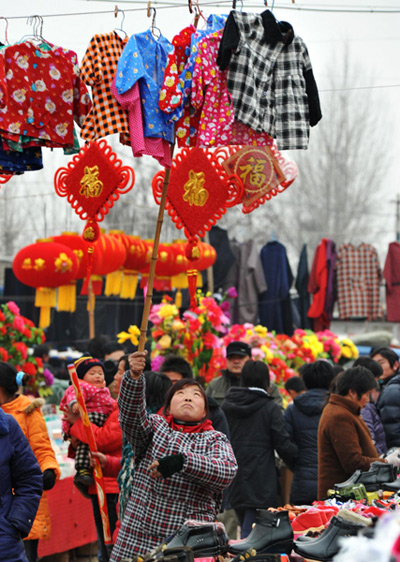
{"type": "Point", "coordinates": [192, 281]}
{"type": "Point", "coordinates": [129, 285]}
{"type": "Point", "coordinates": [66, 298]}
{"type": "Point", "coordinates": [113, 283]}
{"type": "Point", "coordinates": [44, 317]}
{"type": "Point", "coordinates": [179, 281]}
{"type": "Point", "coordinates": [178, 298]}
{"type": "Point", "coordinates": [45, 299]}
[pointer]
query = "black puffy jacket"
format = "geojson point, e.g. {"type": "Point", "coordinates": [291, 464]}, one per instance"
{"type": "Point", "coordinates": [389, 410]}
{"type": "Point", "coordinates": [302, 419]}
{"type": "Point", "coordinates": [257, 429]}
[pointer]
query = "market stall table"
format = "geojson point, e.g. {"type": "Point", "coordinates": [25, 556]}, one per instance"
{"type": "Point", "coordinates": [72, 522]}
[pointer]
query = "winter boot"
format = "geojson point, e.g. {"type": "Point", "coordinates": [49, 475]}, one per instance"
{"type": "Point", "coordinates": [374, 478]}
{"type": "Point", "coordinates": [326, 546]}
{"type": "Point", "coordinates": [205, 540]}
{"type": "Point", "coordinates": [251, 556]}
{"type": "Point", "coordinates": [272, 533]}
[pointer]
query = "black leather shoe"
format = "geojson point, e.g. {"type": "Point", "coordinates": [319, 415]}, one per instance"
{"type": "Point", "coordinates": [326, 546]}
{"type": "Point", "coordinates": [271, 533]}
{"type": "Point", "coordinates": [392, 486]}
{"type": "Point", "coordinates": [185, 554]}
{"type": "Point", "coordinates": [246, 557]}
{"type": "Point", "coordinates": [205, 540]}
{"type": "Point", "coordinates": [378, 474]}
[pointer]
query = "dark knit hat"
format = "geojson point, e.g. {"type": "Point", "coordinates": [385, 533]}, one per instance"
{"type": "Point", "coordinates": [83, 364]}
{"type": "Point", "coordinates": [238, 348]}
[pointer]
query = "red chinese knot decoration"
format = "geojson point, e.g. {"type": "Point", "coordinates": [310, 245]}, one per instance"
{"type": "Point", "coordinates": [92, 182]}
{"type": "Point", "coordinates": [199, 192]}
{"type": "Point", "coordinates": [263, 171]}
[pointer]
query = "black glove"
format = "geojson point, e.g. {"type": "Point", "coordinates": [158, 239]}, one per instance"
{"type": "Point", "coordinates": [49, 479]}
{"type": "Point", "coordinates": [170, 464]}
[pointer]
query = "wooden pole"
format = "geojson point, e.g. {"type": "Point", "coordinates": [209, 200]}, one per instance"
{"type": "Point", "coordinates": [153, 261]}
{"type": "Point", "coordinates": [91, 309]}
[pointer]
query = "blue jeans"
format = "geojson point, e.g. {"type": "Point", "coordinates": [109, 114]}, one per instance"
{"type": "Point", "coordinates": [246, 516]}
{"type": "Point", "coordinates": [112, 516]}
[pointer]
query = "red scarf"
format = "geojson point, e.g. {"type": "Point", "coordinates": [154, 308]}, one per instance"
{"type": "Point", "coordinates": [186, 427]}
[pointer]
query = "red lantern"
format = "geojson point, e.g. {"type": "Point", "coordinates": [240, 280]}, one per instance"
{"type": "Point", "coordinates": [45, 265]}
{"type": "Point", "coordinates": [108, 256]}
{"type": "Point", "coordinates": [66, 300]}
{"type": "Point", "coordinates": [207, 258]}
{"type": "Point", "coordinates": [179, 280]}
{"type": "Point", "coordinates": [164, 268]}
{"type": "Point", "coordinates": [136, 256]}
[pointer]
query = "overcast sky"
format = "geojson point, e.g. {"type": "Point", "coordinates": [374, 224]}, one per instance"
{"type": "Point", "coordinates": [373, 39]}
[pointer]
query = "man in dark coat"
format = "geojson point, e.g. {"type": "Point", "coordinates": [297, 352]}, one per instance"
{"type": "Point", "coordinates": [302, 419]}
{"type": "Point", "coordinates": [389, 400]}
{"type": "Point", "coordinates": [257, 430]}
{"type": "Point", "coordinates": [237, 354]}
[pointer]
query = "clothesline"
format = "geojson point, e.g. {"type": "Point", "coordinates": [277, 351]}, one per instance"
{"type": "Point", "coordinates": [224, 3]}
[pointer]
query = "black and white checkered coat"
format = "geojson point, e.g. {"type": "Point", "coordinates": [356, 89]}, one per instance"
{"type": "Point", "coordinates": [158, 507]}
{"type": "Point", "coordinates": [267, 83]}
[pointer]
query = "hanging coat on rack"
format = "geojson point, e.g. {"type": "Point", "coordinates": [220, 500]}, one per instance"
{"type": "Point", "coordinates": [301, 285]}
{"type": "Point", "coordinates": [274, 304]}
{"type": "Point", "coordinates": [358, 278]}
{"type": "Point", "coordinates": [321, 285]}
{"type": "Point", "coordinates": [225, 258]}
{"type": "Point", "coordinates": [270, 78]}
{"type": "Point", "coordinates": [250, 282]}
{"type": "Point", "coordinates": [391, 273]}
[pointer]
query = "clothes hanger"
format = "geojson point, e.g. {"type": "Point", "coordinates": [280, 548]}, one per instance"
{"type": "Point", "coordinates": [116, 11]}
{"type": "Point", "coordinates": [6, 31]}
{"type": "Point", "coordinates": [199, 13]}
{"type": "Point", "coordinates": [37, 35]}
{"type": "Point", "coordinates": [153, 26]}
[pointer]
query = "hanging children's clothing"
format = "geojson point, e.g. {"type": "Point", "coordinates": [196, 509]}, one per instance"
{"type": "Point", "coordinates": [217, 125]}
{"type": "Point", "coordinates": [143, 60]}
{"type": "Point", "coordinates": [391, 273]}
{"type": "Point", "coordinates": [14, 162]}
{"type": "Point", "coordinates": [41, 96]}
{"type": "Point", "coordinates": [181, 111]}
{"type": "Point", "coordinates": [358, 278]}
{"type": "Point", "coordinates": [270, 78]}
{"type": "Point", "coordinates": [155, 147]}
{"type": "Point", "coordinates": [98, 68]}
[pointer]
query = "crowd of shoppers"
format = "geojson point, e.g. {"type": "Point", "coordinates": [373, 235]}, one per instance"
{"type": "Point", "coordinates": [171, 451]}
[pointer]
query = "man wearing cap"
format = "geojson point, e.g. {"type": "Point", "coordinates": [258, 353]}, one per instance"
{"type": "Point", "coordinates": [237, 353]}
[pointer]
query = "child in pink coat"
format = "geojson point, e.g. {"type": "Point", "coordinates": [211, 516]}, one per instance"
{"type": "Point", "coordinates": [99, 405]}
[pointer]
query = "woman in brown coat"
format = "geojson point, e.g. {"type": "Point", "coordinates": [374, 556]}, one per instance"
{"type": "Point", "coordinates": [344, 442]}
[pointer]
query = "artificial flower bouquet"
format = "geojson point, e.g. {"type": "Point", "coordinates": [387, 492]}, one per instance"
{"type": "Point", "coordinates": [17, 337]}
